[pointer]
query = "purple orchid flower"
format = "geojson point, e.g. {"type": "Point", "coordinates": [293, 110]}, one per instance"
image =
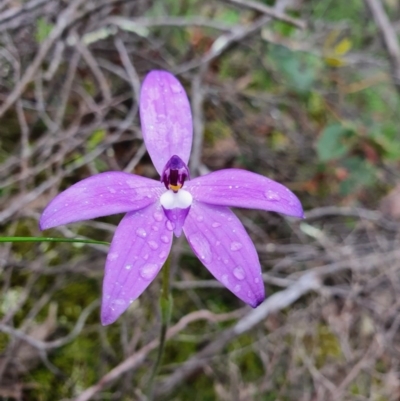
{"type": "Point", "coordinates": [157, 210]}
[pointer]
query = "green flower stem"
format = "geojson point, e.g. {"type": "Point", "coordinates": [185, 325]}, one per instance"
{"type": "Point", "coordinates": [166, 304]}
{"type": "Point", "coordinates": [50, 239]}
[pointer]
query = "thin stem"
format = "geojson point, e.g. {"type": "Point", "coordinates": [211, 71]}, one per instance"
{"type": "Point", "coordinates": [50, 239]}
{"type": "Point", "coordinates": [166, 309]}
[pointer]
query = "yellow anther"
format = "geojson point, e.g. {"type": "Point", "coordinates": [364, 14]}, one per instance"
{"type": "Point", "coordinates": [175, 188]}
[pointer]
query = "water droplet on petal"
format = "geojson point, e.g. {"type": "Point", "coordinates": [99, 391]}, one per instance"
{"type": "Point", "coordinates": [112, 190]}
{"type": "Point", "coordinates": [257, 280]}
{"type": "Point", "coordinates": [149, 271]}
{"type": "Point", "coordinates": [112, 256]}
{"type": "Point", "coordinates": [128, 267]}
{"type": "Point", "coordinates": [218, 243]}
{"type": "Point", "coordinates": [237, 288]}
{"type": "Point", "coordinates": [146, 256]}
{"type": "Point", "coordinates": [154, 228]}
{"type": "Point", "coordinates": [199, 218]}
{"type": "Point", "coordinates": [225, 279]}
{"type": "Point", "coordinates": [235, 246]}
{"type": "Point", "coordinates": [120, 302]}
{"type": "Point", "coordinates": [131, 183]}
{"type": "Point", "coordinates": [239, 273]}
{"type": "Point", "coordinates": [162, 254]}
{"type": "Point", "coordinates": [165, 239]}
{"type": "Point", "coordinates": [271, 195]}
{"type": "Point", "coordinates": [170, 226]}
{"type": "Point", "coordinates": [153, 245]}
{"type": "Point", "coordinates": [141, 232]}
{"type": "Point", "coordinates": [176, 88]}
{"type": "Point", "coordinates": [215, 224]}
{"type": "Point", "coordinates": [201, 246]}
{"type": "Point", "coordinates": [157, 216]}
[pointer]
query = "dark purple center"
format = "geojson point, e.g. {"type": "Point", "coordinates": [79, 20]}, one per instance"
{"type": "Point", "coordinates": [175, 173]}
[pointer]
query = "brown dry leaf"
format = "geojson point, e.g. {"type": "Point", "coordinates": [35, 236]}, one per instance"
{"type": "Point", "coordinates": [390, 204]}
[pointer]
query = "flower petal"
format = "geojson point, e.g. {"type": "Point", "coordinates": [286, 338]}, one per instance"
{"type": "Point", "coordinates": [177, 218]}
{"type": "Point", "coordinates": [220, 241]}
{"type": "Point", "coordinates": [100, 195]}
{"type": "Point", "coordinates": [241, 188]}
{"type": "Point", "coordinates": [166, 118]}
{"type": "Point", "coordinates": [140, 246]}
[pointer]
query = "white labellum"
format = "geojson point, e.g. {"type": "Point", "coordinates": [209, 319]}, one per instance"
{"type": "Point", "coordinates": [171, 200]}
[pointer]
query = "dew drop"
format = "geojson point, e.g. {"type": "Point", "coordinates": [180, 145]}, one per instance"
{"type": "Point", "coordinates": [128, 267]}
{"type": "Point", "coordinates": [201, 246]}
{"type": "Point", "coordinates": [157, 216]}
{"type": "Point", "coordinates": [148, 271]}
{"type": "Point", "coordinates": [111, 190]}
{"type": "Point", "coordinates": [176, 88]}
{"type": "Point", "coordinates": [119, 302]}
{"type": "Point", "coordinates": [218, 243]}
{"type": "Point", "coordinates": [162, 254]}
{"type": "Point", "coordinates": [257, 280]}
{"type": "Point", "coordinates": [165, 239]}
{"type": "Point", "coordinates": [146, 256]}
{"type": "Point", "coordinates": [237, 288]}
{"type": "Point", "coordinates": [239, 273]}
{"type": "Point", "coordinates": [153, 245]}
{"type": "Point", "coordinates": [215, 224]}
{"type": "Point", "coordinates": [235, 246]}
{"type": "Point", "coordinates": [200, 218]}
{"type": "Point", "coordinates": [141, 232]}
{"type": "Point", "coordinates": [112, 256]}
{"type": "Point", "coordinates": [170, 226]}
{"type": "Point", "coordinates": [154, 228]}
{"type": "Point", "coordinates": [131, 183]}
{"type": "Point", "coordinates": [225, 279]}
{"type": "Point", "coordinates": [271, 195]}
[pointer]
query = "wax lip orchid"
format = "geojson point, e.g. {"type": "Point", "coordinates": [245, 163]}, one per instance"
{"type": "Point", "coordinates": [156, 210]}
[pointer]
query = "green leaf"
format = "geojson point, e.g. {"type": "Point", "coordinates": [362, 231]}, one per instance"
{"type": "Point", "coordinates": [331, 144]}
{"type": "Point", "coordinates": [362, 174]}
{"type": "Point", "coordinates": [95, 139]}
{"type": "Point", "coordinates": [297, 68]}
{"type": "Point", "coordinates": [43, 30]}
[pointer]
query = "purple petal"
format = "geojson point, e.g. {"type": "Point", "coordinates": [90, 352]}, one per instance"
{"type": "Point", "coordinates": [100, 195]}
{"type": "Point", "coordinates": [166, 118]}
{"type": "Point", "coordinates": [140, 246]}
{"type": "Point", "coordinates": [220, 241]}
{"type": "Point", "coordinates": [241, 188]}
{"type": "Point", "coordinates": [176, 218]}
